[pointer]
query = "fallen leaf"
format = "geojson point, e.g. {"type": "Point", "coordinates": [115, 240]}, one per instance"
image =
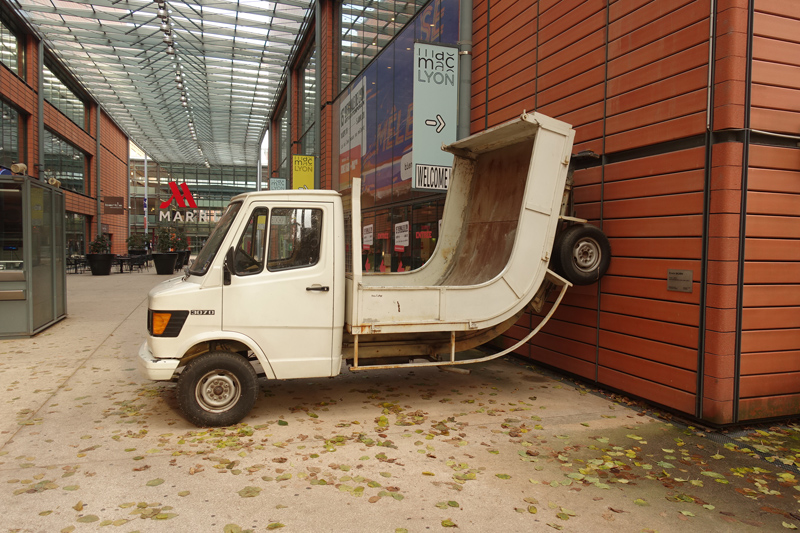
{"type": "Point", "coordinates": [155, 482]}
{"type": "Point", "coordinates": [249, 492]}
{"type": "Point", "coordinates": [448, 523]}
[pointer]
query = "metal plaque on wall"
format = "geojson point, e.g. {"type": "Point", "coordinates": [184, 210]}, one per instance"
{"type": "Point", "coordinates": [679, 280]}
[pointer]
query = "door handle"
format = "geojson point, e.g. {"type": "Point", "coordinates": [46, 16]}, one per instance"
{"type": "Point", "coordinates": [322, 288]}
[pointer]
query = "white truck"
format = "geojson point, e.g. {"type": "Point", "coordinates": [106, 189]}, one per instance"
{"type": "Point", "coordinates": [273, 289]}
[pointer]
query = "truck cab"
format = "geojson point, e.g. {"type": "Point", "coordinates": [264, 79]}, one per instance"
{"type": "Point", "coordinates": [267, 286]}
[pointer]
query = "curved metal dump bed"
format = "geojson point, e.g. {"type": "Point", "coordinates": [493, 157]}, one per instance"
{"type": "Point", "coordinates": [499, 222]}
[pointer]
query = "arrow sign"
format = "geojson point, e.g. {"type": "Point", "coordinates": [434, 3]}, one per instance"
{"type": "Point", "coordinates": [435, 115]}
{"type": "Point", "coordinates": [439, 123]}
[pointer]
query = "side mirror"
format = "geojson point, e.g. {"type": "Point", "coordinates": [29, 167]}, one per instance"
{"type": "Point", "coordinates": [227, 267]}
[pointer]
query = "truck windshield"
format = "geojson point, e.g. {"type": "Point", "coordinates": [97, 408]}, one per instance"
{"type": "Point", "coordinates": [206, 256]}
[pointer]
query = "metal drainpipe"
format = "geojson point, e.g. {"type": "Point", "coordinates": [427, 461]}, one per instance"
{"type": "Point", "coordinates": [40, 109]}
{"type": "Point", "coordinates": [465, 66]}
{"type": "Point", "coordinates": [97, 171]}
{"type": "Point", "coordinates": [318, 91]}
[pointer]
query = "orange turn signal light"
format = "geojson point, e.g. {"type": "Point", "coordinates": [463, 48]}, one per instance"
{"type": "Point", "coordinates": [160, 321]}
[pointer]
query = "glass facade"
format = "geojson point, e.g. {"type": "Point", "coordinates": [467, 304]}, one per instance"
{"type": "Point", "coordinates": [210, 190]}
{"type": "Point", "coordinates": [10, 137]}
{"type": "Point", "coordinates": [308, 102]}
{"type": "Point", "coordinates": [10, 51]}
{"type": "Point", "coordinates": [65, 163]}
{"type": "Point", "coordinates": [366, 28]}
{"type": "Point", "coordinates": [63, 99]}
{"type": "Point", "coordinates": [374, 116]}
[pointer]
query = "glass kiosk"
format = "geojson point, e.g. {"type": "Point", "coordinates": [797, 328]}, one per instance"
{"type": "Point", "coordinates": [32, 273]}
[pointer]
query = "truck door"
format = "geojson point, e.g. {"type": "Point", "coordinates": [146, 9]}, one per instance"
{"type": "Point", "coordinates": [281, 290]}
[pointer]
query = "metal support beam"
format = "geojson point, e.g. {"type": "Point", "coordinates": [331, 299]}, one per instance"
{"type": "Point", "coordinates": [40, 109]}
{"type": "Point", "coordinates": [318, 91]}
{"type": "Point", "coordinates": [97, 172]}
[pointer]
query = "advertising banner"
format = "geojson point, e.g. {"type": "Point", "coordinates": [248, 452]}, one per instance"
{"type": "Point", "coordinates": [302, 171]}
{"type": "Point", "coordinates": [352, 133]}
{"type": "Point", "coordinates": [435, 114]}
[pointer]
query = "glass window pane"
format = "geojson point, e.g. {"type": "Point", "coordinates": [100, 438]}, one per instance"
{"type": "Point", "coordinates": [62, 98]}
{"type": "Point", "coordinates": [248, 258]}
{"type": "Point", "coordinates": [9, 49]}
{"type": "Point", "coordinates": [9, 135]}
{"type": "Point", "coordinates": [11, 248]}
{"type": "Point", "coordinates": [64, 162]}
{"type": "Point", "coordinates": [294, 238]}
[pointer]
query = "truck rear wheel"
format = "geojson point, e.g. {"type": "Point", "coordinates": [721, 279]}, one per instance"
{"type": "Point", "coordinates": [581, 254]}
{"type": "Point", "coordinates": [217, 389]}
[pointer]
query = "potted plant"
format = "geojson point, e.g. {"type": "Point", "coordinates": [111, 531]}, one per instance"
{"type": "Point", "coordinates": [136, 244]}
{"type": "Point", "coordinates": [99, 258]}
{"type": "Point", "coordinates": [165, 258]}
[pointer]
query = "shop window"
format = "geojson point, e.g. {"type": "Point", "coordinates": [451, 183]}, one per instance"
{"type": "Point", "coordinates": [75, 229]}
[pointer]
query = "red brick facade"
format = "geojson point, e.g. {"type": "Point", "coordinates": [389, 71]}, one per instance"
{"type": "Point", "coordinates": [21, 92]}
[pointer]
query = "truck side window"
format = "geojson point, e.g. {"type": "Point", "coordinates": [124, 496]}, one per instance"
{"type": "Point", "coordinates": [248, 257]}
{"type": "Point", "coordinates": [294, 238]}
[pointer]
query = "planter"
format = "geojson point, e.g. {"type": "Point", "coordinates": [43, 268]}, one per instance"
{"type": "Point", "coordinates": [100, 264]}
{"type": "Point", "coordinates": [179, 261]}
{"type": "Point", "coordinates": [165, 262]}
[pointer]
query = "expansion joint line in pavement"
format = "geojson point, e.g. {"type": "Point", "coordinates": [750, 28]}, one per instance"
{"type": "Point", "coordinates": [68, 378]}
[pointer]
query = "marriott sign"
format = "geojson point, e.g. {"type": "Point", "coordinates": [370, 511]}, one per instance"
{"type": "Point", "coordinates": [183, 198]}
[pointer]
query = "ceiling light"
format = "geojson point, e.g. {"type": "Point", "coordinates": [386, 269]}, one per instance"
{"type": "Point", "coordinates": [170, 50]}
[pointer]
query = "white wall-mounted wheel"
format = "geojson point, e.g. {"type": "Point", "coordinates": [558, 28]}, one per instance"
{"type": "Point", "coordinates": [581, 254]}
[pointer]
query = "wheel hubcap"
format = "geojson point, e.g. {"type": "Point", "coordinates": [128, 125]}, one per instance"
{"type": "Point", "coordinates": [586, 255]}
{"type": "Point", "coordinates": [218, 391]}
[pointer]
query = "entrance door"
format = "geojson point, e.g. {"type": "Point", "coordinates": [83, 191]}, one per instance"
{"type": "Point", "coordinates": [281, 293]}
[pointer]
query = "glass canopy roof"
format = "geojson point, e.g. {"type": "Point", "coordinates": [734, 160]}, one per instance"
{"type": "Point", "coordinates": [190, 81]}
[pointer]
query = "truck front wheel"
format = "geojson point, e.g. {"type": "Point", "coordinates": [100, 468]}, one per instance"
{"type": "Point", "coordinates": [217, 389]}
{"type": "Point", "coordinates": [582, 254]}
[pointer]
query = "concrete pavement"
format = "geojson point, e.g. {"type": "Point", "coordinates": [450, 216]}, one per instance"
{"type": "Point", "coordinates": [87, 444]}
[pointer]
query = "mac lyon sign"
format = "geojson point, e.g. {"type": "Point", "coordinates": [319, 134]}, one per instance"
{"type": "Point", "coordinates": [183, 198]}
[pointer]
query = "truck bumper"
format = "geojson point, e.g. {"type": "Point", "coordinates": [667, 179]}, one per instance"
{"type": "Point", "coordinates": [156, 369]}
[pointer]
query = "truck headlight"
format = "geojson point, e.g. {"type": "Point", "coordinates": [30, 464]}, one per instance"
{"type": "Point", "coordinates": [165, 323]}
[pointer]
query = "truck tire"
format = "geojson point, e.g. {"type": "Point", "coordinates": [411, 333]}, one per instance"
{"type": "Point", "coordinates": [581, 254]}
{"type": "Point", "coordinates": [217, 389]}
